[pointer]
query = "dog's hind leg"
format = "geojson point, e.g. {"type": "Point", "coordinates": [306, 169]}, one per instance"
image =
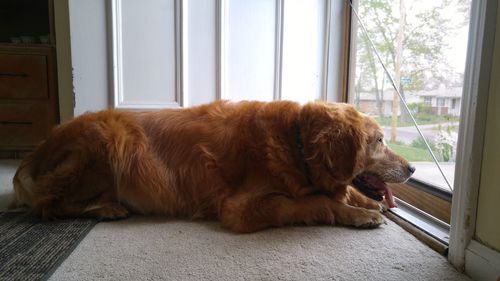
{"type": "Point", "coordinates": [146, 186]}
{"type": "Point", "coordinates": [106, 211]}
{"type": "Point", "coordinates": [104, 207]}
{"type": "Point", "coordinates": [76, 187]}
{"type": "Point", "coordinates": [50, 187]}
{"type": "Point", "coordinates": [93, 196]}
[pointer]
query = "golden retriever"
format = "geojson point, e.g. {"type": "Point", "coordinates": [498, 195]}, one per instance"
{"type": "Point", "coordinates": [251, 165]}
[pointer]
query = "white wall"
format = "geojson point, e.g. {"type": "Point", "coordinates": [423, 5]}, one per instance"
{"type": "Point", "coordinates": [88, 31]}
{"type": "Point", "coordinates": [488, 209]}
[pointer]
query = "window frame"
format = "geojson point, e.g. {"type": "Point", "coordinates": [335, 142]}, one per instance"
{"type": "Point", "coordinates": [471, 133]}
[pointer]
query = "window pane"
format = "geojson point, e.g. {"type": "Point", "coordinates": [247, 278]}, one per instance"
{"type": "Point", "coordinates": [423, 44]}
{"type": "Point", "coordinates": [148, 53]}
{"type": "Point", "coordinates": [303, 49]}
{"type": "Point", "coordinates": [251, 49]}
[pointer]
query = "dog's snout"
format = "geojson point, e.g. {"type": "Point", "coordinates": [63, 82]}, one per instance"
{"type": "Point", "coordinates": [411, 169]}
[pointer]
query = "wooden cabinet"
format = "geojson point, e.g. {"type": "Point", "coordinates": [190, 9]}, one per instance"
{"type": "Point", "coordinates": [28, 75]}
{"type": "Point", "coordinates": [23, 76]}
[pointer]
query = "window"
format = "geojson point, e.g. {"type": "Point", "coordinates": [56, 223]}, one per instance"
{"type": "Point", "coordinates": [428, 100]}
{"type": "Point", "coordinates": [423, 45]}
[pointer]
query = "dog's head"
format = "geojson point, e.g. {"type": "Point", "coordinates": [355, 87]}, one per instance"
{"type": "Point", "coordinates": [343, 146]}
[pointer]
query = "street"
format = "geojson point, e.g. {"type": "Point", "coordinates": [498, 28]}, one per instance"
{"type": "Point", "coordinates": [408, 134]}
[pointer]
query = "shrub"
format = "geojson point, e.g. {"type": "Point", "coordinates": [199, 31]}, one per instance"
{"type": "Point", "coordinates": [446, 143]}
{"type": "Point", "coordinates": [397, 142]}
{"type": "Point", "coordinates": [425, 118]}
{"type": "Point", "coordinates": [419, 143]}
{"type": "Point", "coordinates": [423, 108]}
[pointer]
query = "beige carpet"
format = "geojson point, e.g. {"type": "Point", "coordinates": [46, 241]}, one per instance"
{"type": "Point", "coordinates": [145, 248]}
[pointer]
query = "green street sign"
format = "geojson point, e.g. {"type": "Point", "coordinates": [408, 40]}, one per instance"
{"type": "Point", "coordinates": [405, 80]}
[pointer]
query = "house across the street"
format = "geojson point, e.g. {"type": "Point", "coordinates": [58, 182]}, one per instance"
{"type": "Point", "coordinates": [443, 101]}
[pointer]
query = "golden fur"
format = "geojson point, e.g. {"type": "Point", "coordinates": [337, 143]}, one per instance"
{"type": "Point", "coordinates": [251, 165]}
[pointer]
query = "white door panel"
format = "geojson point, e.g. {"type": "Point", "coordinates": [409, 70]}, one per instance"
{"type": "Point", "coordinates": [250, 50]}
{"type": "Point", "coordinates": [148, 51]}
{"type": "Point", "coordinates": [171, 53]}
{"type": "Point", "coordinates": [303, 50]}
{"type": "Point", "coordinates": [200, 61]}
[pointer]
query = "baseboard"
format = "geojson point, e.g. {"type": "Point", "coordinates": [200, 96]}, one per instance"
{"type": "Point", "coordinates": [481, 262]}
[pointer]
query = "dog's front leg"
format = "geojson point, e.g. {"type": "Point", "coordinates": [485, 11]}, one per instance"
{"type": "Point", "coordinates": [245, 212]}
{"type": "Point", "coordinates": [356, 199]}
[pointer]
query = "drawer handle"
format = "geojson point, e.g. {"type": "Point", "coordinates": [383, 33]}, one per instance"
{"type": "Point", "coordinates": [13, 74]}
{"type": "Point", "coordinates": [16, 123]}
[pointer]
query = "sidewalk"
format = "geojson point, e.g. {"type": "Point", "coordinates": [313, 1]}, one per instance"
{"type": "Point", "coordinates": [429, 172]}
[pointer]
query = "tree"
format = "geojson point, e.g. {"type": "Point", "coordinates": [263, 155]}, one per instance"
{"type": "Point", "coordinates": [411, 37]}
{"type": "Point", "coordinates": [398, 57]}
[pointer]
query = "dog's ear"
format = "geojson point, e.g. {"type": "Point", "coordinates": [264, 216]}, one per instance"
{"type": "Point", "coordinates": [334, 140]}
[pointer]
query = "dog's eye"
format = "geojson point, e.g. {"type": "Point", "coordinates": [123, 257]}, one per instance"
{"type": "Point", "coordinates": [380, 140]}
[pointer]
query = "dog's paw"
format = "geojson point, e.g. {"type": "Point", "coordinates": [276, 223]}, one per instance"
{"type": "Point", "coordinates": [382, 207]}
{"type": "Point", "coordinates": [110, 212]}
{"type": "Point", "coordinates": [368, 219]}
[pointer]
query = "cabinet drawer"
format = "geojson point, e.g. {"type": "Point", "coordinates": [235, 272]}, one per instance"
{"type": "Point", "coordinates": [24, 125]}
{"type": "Point", "coordinates": [23, 76]}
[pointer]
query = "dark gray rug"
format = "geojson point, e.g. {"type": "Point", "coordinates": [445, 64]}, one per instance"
{"type": "Point", "coordinates": [31, 249]}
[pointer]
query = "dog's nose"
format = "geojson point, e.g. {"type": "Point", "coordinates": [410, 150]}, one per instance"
{"type": "Point", "coordinates": [411, 168]}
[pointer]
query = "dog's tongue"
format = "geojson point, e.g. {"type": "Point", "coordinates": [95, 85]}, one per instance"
{"type": "Point", "coordinates": [378, 183]}
{"type": "Point", "coordinates": [389, 199]}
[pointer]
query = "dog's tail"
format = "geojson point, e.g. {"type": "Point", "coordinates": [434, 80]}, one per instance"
{"type": "Point", "coordinates": [23, 186]}
{"type": "Point", "coordinates": [43, 158]}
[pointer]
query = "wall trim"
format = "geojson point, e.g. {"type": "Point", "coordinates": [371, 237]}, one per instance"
{"type": "Point", "coordinates": [114, 14]}
{"type": "Point", "coordinates": [184, 48]}
{"type": "Point", "coordinates": [66, 93]}
{"type": "Point", "coordinates": [472, 128]}
{"type": "Point", "coordinates": [482, 263]}
{"type": "Point", "coordinates": [351, 57]}
{"type": "Point", "coordinates": [179, 52]}
{"type": "Point", "coordinates": [278, 49]}
{"type": "Point", "coordinates": [221, 32]}
{"type": "Point", "coordinates": [326, 50]}
{"type": "Point", "coordinates": [340, 93]}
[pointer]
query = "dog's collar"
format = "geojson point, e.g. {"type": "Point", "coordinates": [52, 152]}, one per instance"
{"type": "Point", "coordinates": [300, 146]}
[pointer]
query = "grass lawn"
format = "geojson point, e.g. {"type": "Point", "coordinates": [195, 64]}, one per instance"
{"type": "Point", "coordinates": [411, 153]}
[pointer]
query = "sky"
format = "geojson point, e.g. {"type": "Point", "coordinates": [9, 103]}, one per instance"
{"type": "Point", "coordinates": [457, 40]}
